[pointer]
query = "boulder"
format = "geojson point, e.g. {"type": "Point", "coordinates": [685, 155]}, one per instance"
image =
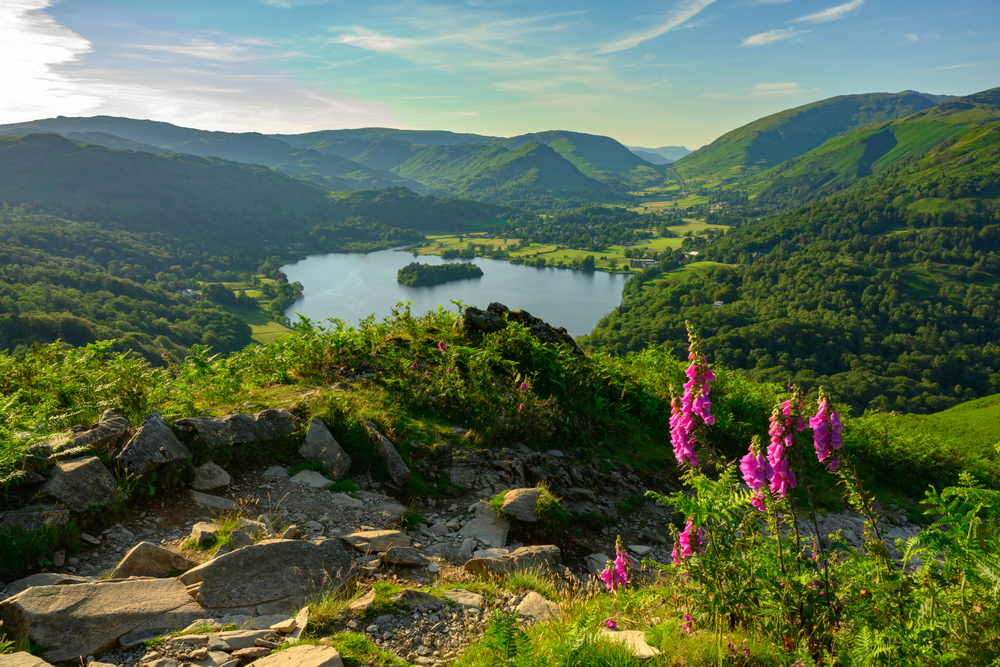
{"type": "Point", "coordinates": [276, 574]}
{"type": "Point", "coordinates": [463, 598]}
{"type": "Point", "coordinates": [414, 599]}
{"type": "Point", "coordinates": [439, 529]}
{"type": "Point", "coordinates": [88, 619]}
{"type": "Point", "coordinates": [248, 532]}
{"type": "Point", "coordinates": [596, 563]}
{"type": "Point", "coordinates": [522, 504]}
{"type": "Point", "coordinates": [482, 320]}
{"type": "Point", "coordinates": [361, 605]}
{"type": "Point", "coordinates": [239, 428]}
{"type": "Point", "coordinates": [35, 517]}
{"type": "Point", "coordinates": [303, 655]}
{"type": "Point", "coordinates": [321, 447]}
{"type": "Point", "coordinates": [313, 479]}
{"type": "Point", "coordinates": [536, 608]}
{"type": "Point", "coordinates": [110, 429]}
{"type": "Point", "coordinates": [462, 476]}
{"type": "Point", "coordinates": [377, 541]}
{"type": "Point", "coordinates": [204, 533]}
{"type": "Point", "coordinates": [391, 512]}
{"type": "Point", "coordinates": [22, 659]}
{"type": "Point", "coordinates": [276, 471]}
{"type": "Point", "coordinates": [398, 471]}
{"type": "Point", "coordinates": [542, 558]}
{"type": "Point", "coordinates": [210, 476]}
{"type": "Point", "coordinates": [488, 526]}
{"type": "Point", "coordinates": [214, 502]}
{"type": "Point", "coordinates": [497, 316]}
{"type": "Point", "coordinates": [44, 579]}
{"type": "Point", "coordinates": [152, 445]}
{"type": "Point", "coordinates": [403, 556]}
{"type": "Point", "coordinates": [346, 501]}
{"type": "Point", "coordinates": [301, 624]}
{"type": "Point", "coordinates": [150, 560]}
{"type": "Point", "coordinates": [633, 640]}
{"type": "Point", "coordinates": [80, 483]}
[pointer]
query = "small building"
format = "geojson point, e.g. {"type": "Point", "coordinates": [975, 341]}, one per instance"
{"type": "Point", "coordinates": [717, 304]}
{"type": "Point", "coordinates": [185, 292]}
{"type": "Point", "coordinates": [642, 263]}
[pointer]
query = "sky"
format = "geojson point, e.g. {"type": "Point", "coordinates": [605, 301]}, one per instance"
{"type": "Point", "coordinates": [670, 72]}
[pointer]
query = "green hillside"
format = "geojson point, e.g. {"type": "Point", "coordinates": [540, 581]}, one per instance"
{"type": "Point", "coordinates": [601, 158]}
{"type": "Point", "coordinates": [372, 153]}
{"type": "Point", "coordinates": [415, 137]}
{"type": "Point", "coordinates": [112, 141]}
{"type": "Point", "coordinates": [530, 174]}
{"type": "Point", "coordinates": [861, 152]}
{"type": "Point", "coordinates": [782, 136]}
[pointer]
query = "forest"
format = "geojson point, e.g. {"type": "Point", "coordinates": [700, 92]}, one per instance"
{"type": "Point", "coordinates": [416, 274]}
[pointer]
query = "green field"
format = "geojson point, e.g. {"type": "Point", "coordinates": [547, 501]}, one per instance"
{"type": "Point", "coordinates": [264, 328]}
{"type": "Point", "coordinates": [685, 273]}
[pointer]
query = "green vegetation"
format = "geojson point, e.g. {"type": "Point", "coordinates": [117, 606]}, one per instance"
{"type": "Point", "coordinates": [415, 274]}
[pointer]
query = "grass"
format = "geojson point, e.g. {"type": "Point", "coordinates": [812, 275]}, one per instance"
{"type": "Point", "coordinates": [356, 649]}
{"type": "Point", "coordinates": [343, 486]}
{"type": "Point", "coordinates": [411, 519]}
{"type": "Point", "coordinates": [22, 549]}
{"type": "Point", "coordinates": [227, 525]}
{"type": "Point", "coordinates": [532, 580]}
{"type": "Point", "coordinates": [683, 274]}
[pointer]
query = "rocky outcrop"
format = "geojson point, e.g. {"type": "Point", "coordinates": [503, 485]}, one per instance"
{"type": "Point", "coordinates": [35, 517]}
{"type": "Point", "coordinates": [149, 560]}
{"type": "Point", "coordinates": [87, 619]}
{"type": "Point", "coordinates": [239, 428]}
{"type": "Point", "coordinates": [109, 431]}
{"type": "Point", "coordinates": [80, 483]}
{"type": "Point", "coordinates": [488, 527]}
{"type": "Point", "coordinates": [398, 471]}
{"type": "Point", "coordinates": [44, 579]}
{"type": "Point", "coordinates": [303, 655]}
{"type": "Point", "coordinates": [270, 576]}
{"type": "Point", "coordinates": [522, 504]}
{"type": "Point", "coordinates": [210, 476]}
{"type": "Point", "coordinates": [404, 556]}
{"type": "Point", "coordinates": [22, 659]}
{"type": "Point", "coordinates": [498, 316]}
{"type": "Point", "coordinates": [152, 445]}
{"type": "Point", "coordinates": [321, 447]}
{"type": "Point", "coordinates": [541, 558]}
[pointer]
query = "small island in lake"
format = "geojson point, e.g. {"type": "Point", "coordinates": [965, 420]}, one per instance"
{"type": "Point", "coordinates": [419, 275]}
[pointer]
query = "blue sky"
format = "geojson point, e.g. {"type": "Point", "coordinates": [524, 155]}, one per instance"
{"type": "Point", "coordinates": [646, 73]}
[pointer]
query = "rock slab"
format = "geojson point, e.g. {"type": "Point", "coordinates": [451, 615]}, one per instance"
{"type": "Point", "coordinates": [210, 476]}
{"type": "Point", "coordinates": [214, 502]}
{"type": "Point", "coordinates": [377, 541]}
{"type": "Point", "coordinates": [393, 461]}
{"type": "Point", "coordinates": [313, 479]}
{"type": "Point", "coordinates": [304, 655]}
{"type": "Point", "coordinates": [634, 640]}
{"type": "Point", "coordinates": [238, 429]}
{"type": "Point", "coordinates": [276, 574]}
{"type": "Point", "coordinates": [540, 558]}
{"type": "Point", "coordinates": [22, 659]}
{"type": "Point", "coordinates": [109, 430]}
{"type": "Point", "coordinates": [321, 447]}
{"type": "Point", "coordinates": [152, 445]}
{"type": "Point", "coordinates": [150, 560]}
{"type": "Point", "coordinates": [536, 608]}
{"type": "Point", "coordinates": [87, 619]}
{"type": "Point", "coordinates": [80, 483]}
{"type": "Point", "coordinates": [488, 526]}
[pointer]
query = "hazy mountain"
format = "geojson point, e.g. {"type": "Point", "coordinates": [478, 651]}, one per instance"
{"type": "Point", "coordinates": [668, 153]}
{"type": "Point", "coordinates": [783, 136]}
{"type": "Point", "coordinates": [415, 137]}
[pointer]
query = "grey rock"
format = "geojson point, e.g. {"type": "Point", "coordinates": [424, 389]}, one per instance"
{"type": "Point", "coordinates": [555, 453]}
{"type": "Point", "coordinates": [110, 429]}
{"type": "Point", "coordinates": [152, 445]}
{"type": "Point", "coordinates": [522, 504]}
{"type": "Point", "coordinates": [541, 558]}
{"type": "Point", "coordinates": [596, 563]}
{"type": "Point", "coordinates": [88, 619]}
{"type": "Point", "coordinates": [536, 608]}
{"type": "Point", "coordinates": [404, 556]}
{"type": "Point", "coordinates": [463, 598]}
{"type": "Point", "coordinates": [276, 471]}
{"type": "Point", "coordinates": [463, 477]}
{"type": "Point", "coordinates": [467, 549]}
{"type": "Point", "coordinates": [633, 640]}
{"type": "Point", "coordinates": [301, 624]}
{"type": "Point", "coordinates": [639, 549]}
{"type": "Point", "coordinates": [282, 572]}
{"type": "Point", "coordinates": [488, 526]}
{"type": "Point", "coordinates": [150, 560]}
{"type": "Point", "coordinates": [247, 533]}
{"type": "Point", "coordinates": [303, 655]}
{"type": "Point", "coordinates": [346, 501]}
{"type": "Point", "coordinates": [291, 533]}
{"type": "Point", "coordinates": [59, 558]}
{"type": "Point", "coordinates": [210, 476]}
{"type": "Point", "coordinates": [22, 659]}
{"type": "Point", "coordinates": [418, 599]}
{"type": "Point", "coordinates": [43, 579]}
{"type": "Point", "coordinates": [398, 471]}
{"type": "Point", "coordinates": [391, 512]}
{"type": "Point", "coordinates": [377, 541]}
{"type": "Point", "coordinates": [214, 502]}
{"type": "Point", "coordinates": [203, 532]}
{"type": "Point", "coordinates": [35, 517]}
{"type": "Point", "coordinates": [80, 483]}
{"type": "Point", "coordinates": [438, 529]}
{"type": "Point", "coordinates": [313, 479]}
{"type": "Point", "coordinates": [239, 428]}
{"type": "Point", "coordinates": [321, 447]}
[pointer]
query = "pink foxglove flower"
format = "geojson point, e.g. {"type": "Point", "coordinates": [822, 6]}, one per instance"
{"type": "Point", "coordinates": [694, 403]}
{"type": "Point", "coordinates": [682, 434]}
{"type": "Point", "coordinates": [826, 428]}
{"type": "Point", "coordinates": [691, 542]}
{"type": "Point", "coordinates": [757, 473]}
{"type": "Point", "coordinates": [619, 571]}
{"type": "Point", "coordinates": [782, 479]}
{"type": "Point", "coordinates": [610, 624]}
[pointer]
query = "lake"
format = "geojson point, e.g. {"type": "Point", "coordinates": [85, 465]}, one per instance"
{"type": "Point", "coordinates": [351, 287]}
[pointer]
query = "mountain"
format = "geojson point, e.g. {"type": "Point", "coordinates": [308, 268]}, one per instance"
{"type": "Point", "coordinates": [382, 154]}
{"type": "Point", "coordinates": [864, 151]}
{"type": "Point", "coordinates": [783, 136]}
{"type": "Point", "coordinates": [415, 137]}
{"type": "Point", "coordinates": [112, 141]}
{"type": "Point", "coordinates": [526, 176]}
{"type": "Point", "coordinates": [246, 147]}
{"type": "Point", "coordinates": [652, 158]}
{"type": "Point", "coordinates": [668, 153]}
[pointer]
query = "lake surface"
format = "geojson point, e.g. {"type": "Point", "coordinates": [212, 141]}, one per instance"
{"type": "Point", "coordinates": [351, 287]}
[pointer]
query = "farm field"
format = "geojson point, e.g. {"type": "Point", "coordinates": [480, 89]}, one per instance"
{"type": "Point", "coordinates": [685, 273]}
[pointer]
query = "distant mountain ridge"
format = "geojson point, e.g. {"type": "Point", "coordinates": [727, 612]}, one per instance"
{"type": "Point", "coordinates": [661, 155]}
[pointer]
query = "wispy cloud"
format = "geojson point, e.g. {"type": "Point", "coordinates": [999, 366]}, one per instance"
{"type": "Point", "coordinates": [202, 49]}
{"type": "Point", "coordinates": [370, 41]}
{"type": "Point", "coordinates": [911, 37]}
{"type": "Point", "coordinates": [947, 67]}
{"type": "Point", "coordinates": [831, 14]}
{"type": "Point", "coordinates": [772, 36]}
{"type": "Point", "coordinates": [682, 13]}
{"type": "Point", "coordinates": [778, 89]}
{"type": "Point", "coordinates": [292, 4]}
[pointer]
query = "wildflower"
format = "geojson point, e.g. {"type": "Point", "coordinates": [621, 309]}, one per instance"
{"type": "Point", "coordinates": [413, 366]}
{"type": "Point", "coordinates": [523, 386]}
{"type": "Point", "coordinates": [757, 472]}
{"type": "Point", "coordinates": [694, 403]}
{"type": "Point", "coordinates": [686, 629]}
{"type": "Point", "coordinates": [618, 571]}
{"type": "Point", "coordinates": [691, 542]}
{"type": "Point", "coordinates": [521, 407]}
{"type": "Point", "coordinates": [782, 478]}
{"type": "Point", "coordinates": [441, 346]}
{"type": "Point", "coordinates": [610, 624]}
{"type": "Point", "coordinates": [681, 434]}
{"type": "Point", "coordinates": [826, 428]}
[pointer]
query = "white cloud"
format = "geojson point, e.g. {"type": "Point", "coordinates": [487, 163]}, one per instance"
{"type": "Point", "coordinates": [778, 89]}
{"type": "Point", "coordinates": [682, 13]}
{"type": "Point", "coordinates": [202, 49]}
{"type": "Point", "coordinates": [947, 67]}
{"type": "Point", "coordinates": [292, 4]}
{"type": "Point", "coordinates": [911, 37]}
{"type": "Point", "coordinates": [831, 14]}
{"type": "Point", "coordinates": [36, 52]}
{"type": "Point", "coordinates": [371, 41]}
{"type": "Point", "coordinates": [771, 36]}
